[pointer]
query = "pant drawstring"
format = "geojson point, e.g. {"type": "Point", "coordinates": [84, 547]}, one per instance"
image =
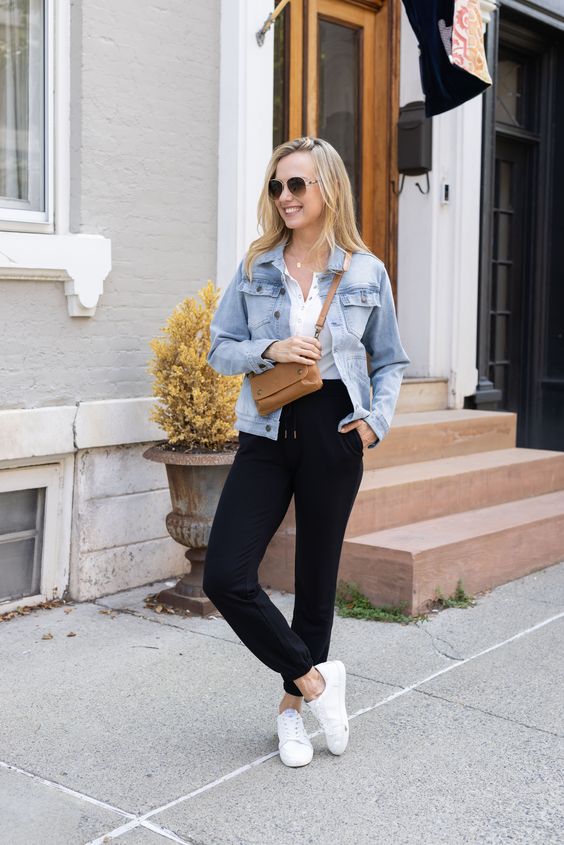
{"type": "Point", "coordinates": [290, 423]}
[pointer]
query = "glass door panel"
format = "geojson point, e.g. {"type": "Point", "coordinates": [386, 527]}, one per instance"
{"type": "Point", "coordinates": [339, 113]}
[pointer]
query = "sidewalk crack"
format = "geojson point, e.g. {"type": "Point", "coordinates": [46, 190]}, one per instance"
{"type": "Point", "coordinates": [374, 680]}
{"type": "Point", "coordinates": [161, 621]}
{"type": "Point", "coordinates": [489, 713]}
{"type": "Point", "coordinates": [434, 639]}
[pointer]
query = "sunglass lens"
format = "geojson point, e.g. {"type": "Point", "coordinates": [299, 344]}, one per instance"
{"type": "Point", "coordinates": [296, 186]}
{"type": "Point", "coordinates": [275, 188]}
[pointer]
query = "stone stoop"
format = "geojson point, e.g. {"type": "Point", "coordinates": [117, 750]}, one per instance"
{"type": "Point", "coordinates": [422, 394]}
{"type": "Point", "coordinates": [426, 435]}
{"type": "Point", "coordinates": [483, 547]}
{"type": "Point", "coordinates": [446, 496]}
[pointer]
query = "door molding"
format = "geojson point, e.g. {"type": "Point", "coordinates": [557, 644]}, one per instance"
{"type": "Point", "coordinates": [379, 21]}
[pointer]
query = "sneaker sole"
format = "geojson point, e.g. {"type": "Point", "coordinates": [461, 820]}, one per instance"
{"type": "Point", "coordinates": [342, 683]}
{"type": "Point", "coordinates": [296, 765]}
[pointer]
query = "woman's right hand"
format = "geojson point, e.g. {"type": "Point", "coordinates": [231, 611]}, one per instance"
{"type": "Point", "coordinates": [298, 349]}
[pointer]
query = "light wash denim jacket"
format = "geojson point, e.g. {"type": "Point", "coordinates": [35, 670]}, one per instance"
{"type": "Point", "coordinates": [253, 314]}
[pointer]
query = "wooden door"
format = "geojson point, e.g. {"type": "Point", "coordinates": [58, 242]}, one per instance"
{"type": "Point", "coordinates": [336, 77]}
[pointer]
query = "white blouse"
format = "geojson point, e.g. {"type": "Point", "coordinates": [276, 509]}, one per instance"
{"type": "Point", "coordinates": [302, 322]}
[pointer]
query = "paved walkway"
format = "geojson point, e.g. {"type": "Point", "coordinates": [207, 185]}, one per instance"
{"type": "Point", "coordinates": [148, 728]}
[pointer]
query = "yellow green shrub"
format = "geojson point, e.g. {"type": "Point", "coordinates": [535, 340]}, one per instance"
{"type": "Point", "coordinates": [195, 405]}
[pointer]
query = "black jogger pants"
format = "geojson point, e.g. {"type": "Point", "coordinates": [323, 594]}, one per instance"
{"type": "Point", "coordinates": [322, 469]}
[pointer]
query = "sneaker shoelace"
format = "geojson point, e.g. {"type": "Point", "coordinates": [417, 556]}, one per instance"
{"type": "Point", "coordinates": [291, 727]}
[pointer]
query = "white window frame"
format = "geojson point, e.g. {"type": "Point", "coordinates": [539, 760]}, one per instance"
{"type": "Point", "coordinates": [80, 262]}
{"type": "Point", "coordinates": [14, 219]}
{"type": "Point", "coordinates": [56, 478]}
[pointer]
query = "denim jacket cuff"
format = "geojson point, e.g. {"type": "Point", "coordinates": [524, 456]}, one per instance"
{"type": "Point", "coordinates": [258, 364]}
{"type": "Point", "coordinates": [378, 425]}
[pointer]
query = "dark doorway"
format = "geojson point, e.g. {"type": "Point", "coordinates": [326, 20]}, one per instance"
{"type": "Point", "coordinates": [511, 254]}
{"type": "Point", "coordinates": [521, 316]}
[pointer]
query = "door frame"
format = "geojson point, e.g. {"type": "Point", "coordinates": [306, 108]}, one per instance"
{"type": "Point", "coordinates": [514, 31]}
{"type": "Point", "coordinates": [379, 218]}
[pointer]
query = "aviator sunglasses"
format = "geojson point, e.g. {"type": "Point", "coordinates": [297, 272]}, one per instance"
{"type": "Point", "coordinates": [297, 186]}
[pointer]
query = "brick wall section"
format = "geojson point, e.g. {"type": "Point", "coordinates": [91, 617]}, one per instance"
{"type": "Point", "coordinates": [144, 115]}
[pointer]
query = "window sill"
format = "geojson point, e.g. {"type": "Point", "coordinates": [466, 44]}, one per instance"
{"type": "Point", "coordinates": [82, 262]}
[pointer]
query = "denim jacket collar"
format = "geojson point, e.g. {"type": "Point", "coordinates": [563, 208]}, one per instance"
{"type": "Point", "coordinates": [276, 256]}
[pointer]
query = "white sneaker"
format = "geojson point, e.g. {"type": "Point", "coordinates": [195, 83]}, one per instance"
{"type": "Point", "coordinates": [294, 744]}
{"type": "Point", "coordinates": [329, 708]}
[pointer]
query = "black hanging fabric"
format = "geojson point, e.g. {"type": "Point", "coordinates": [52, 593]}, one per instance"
{"type": "Point", "coordinates": [452, 59]}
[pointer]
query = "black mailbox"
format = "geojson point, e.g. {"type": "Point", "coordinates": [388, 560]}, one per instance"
{"type": "Point", "coordinates": [415, 140]}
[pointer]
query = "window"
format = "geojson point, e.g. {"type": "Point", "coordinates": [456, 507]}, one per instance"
{"type": "Point", "coordinates": [35, 515]}
{"type": "Point", "coordinates": [21, 537]}
{"type": "Point", "coordinates": [24, 106]}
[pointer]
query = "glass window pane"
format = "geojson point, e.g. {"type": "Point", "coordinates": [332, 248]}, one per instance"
{"type": "Point", "coordinates": [18, 574]}
{"type": "Point", "coordinates": [22, 104]}
{"type": "Point", "coordinates": [501, 280]}
{"type": "Point", "coordinates": [503, 236]}
{"type": "Point", "coordinates": [504, 192]}
{"type": "Point", "coordinates": [338, 119]}
{"type": "Point", "coordinates": [509, 92]}
{"type": "Point", "coordinates": [20, 559]}
{"type": "Point", "coordinates": [500, 373]}
{"type": "Point", "coordinates": [501, 351]}
{"type": "Point", "coordinates": [18, 511]}
{"type": "Point", "coordinates": [281, 62]}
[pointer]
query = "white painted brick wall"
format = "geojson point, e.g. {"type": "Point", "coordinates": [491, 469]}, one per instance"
{"type": "Point", "coordinates": [144, 137]}
{"type": "Point", "coordinates": [144, 142]}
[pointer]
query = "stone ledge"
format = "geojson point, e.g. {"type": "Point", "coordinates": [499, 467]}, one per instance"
{"type": "Point", "coordinates": [62, 429]}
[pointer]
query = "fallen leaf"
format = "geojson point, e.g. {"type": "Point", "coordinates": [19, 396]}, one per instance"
{"type": "Point", "coordinates": [47, 636]}
{"type": "Point", "coordinates": [71, 634]}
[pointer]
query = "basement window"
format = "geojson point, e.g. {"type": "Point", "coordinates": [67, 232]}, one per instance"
{"type": "Point", "coordinates": [22, 515]}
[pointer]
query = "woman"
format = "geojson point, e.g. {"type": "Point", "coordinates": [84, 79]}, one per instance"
{"type": "Point", "coordinates": [311, 448]}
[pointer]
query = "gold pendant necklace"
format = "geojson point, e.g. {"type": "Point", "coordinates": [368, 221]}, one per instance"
{"type": "Point", "coordinates": [298, 263]}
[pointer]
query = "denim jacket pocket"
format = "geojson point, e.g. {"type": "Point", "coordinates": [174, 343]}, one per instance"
{"type": "Point", "coordinates": [356, 306]}
{"type": "Point", "coordinates": [260, 299]}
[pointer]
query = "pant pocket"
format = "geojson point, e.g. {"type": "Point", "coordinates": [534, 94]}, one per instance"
{"type": "Point", "coordinates": [353, 442]}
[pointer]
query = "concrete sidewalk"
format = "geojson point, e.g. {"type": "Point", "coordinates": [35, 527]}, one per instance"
{"type": "Point", "coordinates": [146, 728]}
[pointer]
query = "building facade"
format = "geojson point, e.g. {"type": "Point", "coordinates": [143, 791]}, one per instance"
{"type": "Point", "coordinates": [134, 143]}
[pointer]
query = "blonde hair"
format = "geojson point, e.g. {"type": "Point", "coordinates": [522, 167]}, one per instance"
{"type": "Point", "coordinates": [339, 224]}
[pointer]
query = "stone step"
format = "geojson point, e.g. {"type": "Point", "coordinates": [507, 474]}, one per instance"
{"type": "Point", "coordinates": [422, 394]}
{"type": "Point", "coordinates": [392, 496]}
{"type": "Point", "coordinates": [426, 435]}
{"type": "Point", "coordinates": [483, 547]}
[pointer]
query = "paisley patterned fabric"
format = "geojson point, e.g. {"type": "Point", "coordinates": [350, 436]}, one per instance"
{"type": "Point", "coordinates": [467, 39]}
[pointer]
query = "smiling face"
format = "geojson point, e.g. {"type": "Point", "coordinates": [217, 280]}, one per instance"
{"type": "Point", "coordinates": [304, 212]}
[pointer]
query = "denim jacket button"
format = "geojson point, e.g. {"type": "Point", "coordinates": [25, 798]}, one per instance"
{"type": "Point", "coordinates": [277, 314]}
{"type": "Point", "coordinates": [259, 288]}
{"type": "Point", "coordinates": [262, 366]}
{"type": "Point", "coordinates": [268, 427]}
{"type": "Point", "coordinates": [283, 291]}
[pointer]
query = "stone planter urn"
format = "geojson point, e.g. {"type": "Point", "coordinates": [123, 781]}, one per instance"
{"type": "Point", "coordinates": [195, 481]}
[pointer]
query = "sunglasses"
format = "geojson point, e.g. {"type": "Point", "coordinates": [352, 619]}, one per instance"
{"type": "Point", "coordinates": [297, 186]}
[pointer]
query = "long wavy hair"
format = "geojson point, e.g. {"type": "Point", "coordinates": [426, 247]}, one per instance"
{"type": "Point", "coordinates": [339, 224]}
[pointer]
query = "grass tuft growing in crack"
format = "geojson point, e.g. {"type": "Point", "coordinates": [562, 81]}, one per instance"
{"type": "Point", "coordinates": [459, 598]}
{"type": "Point", "coordinates": [351, 601]}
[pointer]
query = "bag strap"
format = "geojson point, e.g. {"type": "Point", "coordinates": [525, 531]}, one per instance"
{"type": "Point", "coordinates": [331, 293]}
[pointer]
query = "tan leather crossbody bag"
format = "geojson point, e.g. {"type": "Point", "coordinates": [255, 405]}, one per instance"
{"type": "Point", "coordinates": [287, 381]}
